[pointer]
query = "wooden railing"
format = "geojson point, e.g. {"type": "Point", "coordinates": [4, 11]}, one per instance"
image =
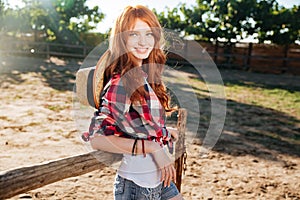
{"type": "Point", "coordinates": [44, 49]}
{"type": "Point", "coordinates": [253, 57]}
{"type": "Point", "coordinates": [23, 179]}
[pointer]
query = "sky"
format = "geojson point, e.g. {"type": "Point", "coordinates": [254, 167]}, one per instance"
{"type": "Point", "coordinates": [112, 8]}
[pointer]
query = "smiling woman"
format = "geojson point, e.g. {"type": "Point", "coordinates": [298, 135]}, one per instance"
{"type": "Point", "coordinates": [132, 106]}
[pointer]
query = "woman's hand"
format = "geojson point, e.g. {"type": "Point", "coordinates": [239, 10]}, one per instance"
{"type": "Point", "coordinates": [174, 133]}
{"type": "Point", "coordinates": [168, 174]}
{"type": "Point", "coordinates": [166, 164]}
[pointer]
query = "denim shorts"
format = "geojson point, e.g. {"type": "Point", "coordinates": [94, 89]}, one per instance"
{"type": "Point", "coordinates": [127, 190]}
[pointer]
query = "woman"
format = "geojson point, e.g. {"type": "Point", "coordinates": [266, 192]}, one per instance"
{"type": "Point", "coordinates": [131, 111]}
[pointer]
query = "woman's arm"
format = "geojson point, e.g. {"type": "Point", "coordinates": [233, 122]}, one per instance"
{"type": "Point", "coordinates": [115, 144]}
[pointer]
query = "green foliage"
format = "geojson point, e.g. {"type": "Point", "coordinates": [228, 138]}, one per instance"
{"type": "Point", "coordinates": [277, 24]}
{"type": "Point", "coordinates": [1, 9]}
{"type": "Point", "coordinates": [10, 20]}
{"type": "Point", "coordinates": [61, 21]}
{"type": "Point", "coordinates": [234, 20]}
{"type": "Point", "coordinates": [170, 19]}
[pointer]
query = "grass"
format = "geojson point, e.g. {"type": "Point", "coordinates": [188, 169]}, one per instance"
{"type": "Point", "coordinates": [282, 100]}
{"type": "Point", "coordinates": [278, 99]}
{"type": "Point", "coordinates": [267, 115]}
{"type": "Point", "coordinates": [273, 113]}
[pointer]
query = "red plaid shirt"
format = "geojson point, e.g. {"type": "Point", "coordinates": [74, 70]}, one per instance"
{"type": "Point", "coordinates": [117, 115]}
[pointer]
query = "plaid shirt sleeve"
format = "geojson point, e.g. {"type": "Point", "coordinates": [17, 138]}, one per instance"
{"type": "Point", "coordinates": [119, 116]}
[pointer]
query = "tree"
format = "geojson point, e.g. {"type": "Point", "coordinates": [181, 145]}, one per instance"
{"type": "Point", "coordinates": [62, 21]}
{"type": "Point", "coordinates": [195, 20]}
{"type": "Point", "coordinates": [9, 20]}
{"type": "Point", "coordinates": [277, 24]}
{"type": "Point", "coordinates": [1, 13]}
{"type": "Point", "coordinates": [1, 8]}
{"type": "Point", "coordinates": [212, 19]}
{"type": "Point", "coordinates": [170, 19]}
{"type": "Point", "coordinates": [231, 21]}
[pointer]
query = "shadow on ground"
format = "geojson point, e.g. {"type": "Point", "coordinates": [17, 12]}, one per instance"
{"type": "Point", "coordinates": [58, 74]}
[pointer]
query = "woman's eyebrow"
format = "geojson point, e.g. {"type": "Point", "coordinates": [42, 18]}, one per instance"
{"type": "Point", "coordinates": [141, 29]}
{"type": "Point", "coordinates": [132, 32]}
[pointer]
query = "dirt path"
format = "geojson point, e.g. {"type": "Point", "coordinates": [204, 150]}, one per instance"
{"type": "Point", "coordinates": [37, 125]}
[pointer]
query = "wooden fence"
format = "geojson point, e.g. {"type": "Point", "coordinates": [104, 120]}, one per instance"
{"type": "Point", "coordinates": [267, 58]}
{"type": "Point", "coordinates": [23, 179]}
{"type": "Point", "coordinates": [44, 49]}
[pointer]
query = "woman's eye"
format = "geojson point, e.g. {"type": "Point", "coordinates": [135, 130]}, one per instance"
{"type": "Point", "coordinates": [133, 34]}
{"type": "Point", "coordinates": [150, 34]}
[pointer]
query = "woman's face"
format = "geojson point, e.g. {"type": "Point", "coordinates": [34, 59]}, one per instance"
{"type": "Point", "coordinates": [140, 40]}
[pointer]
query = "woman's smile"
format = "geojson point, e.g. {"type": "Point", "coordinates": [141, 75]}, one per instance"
{"type": "Point", "coordinates": [141, 50]}
{"type": "Point", "coordinates": [140, 40]}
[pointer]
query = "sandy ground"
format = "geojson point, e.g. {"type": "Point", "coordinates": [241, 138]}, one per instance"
{"type": "Point", "coordinates": [37, 125]}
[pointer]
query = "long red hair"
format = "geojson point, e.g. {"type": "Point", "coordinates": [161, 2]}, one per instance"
{"type": "Point", "coordinates": [118, 61]}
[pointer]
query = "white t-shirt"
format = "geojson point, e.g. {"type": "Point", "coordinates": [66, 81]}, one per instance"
{"type": "Point", "coordinates": [141, 170]}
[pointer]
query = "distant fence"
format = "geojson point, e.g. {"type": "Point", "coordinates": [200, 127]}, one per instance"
{"type": "Point", "coordinates": [267, 58]}
{"type": "Point", "coordinates": [44, 49]}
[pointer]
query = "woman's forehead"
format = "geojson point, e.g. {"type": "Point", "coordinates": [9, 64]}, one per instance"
{"type": "Point", "coordinates": [140, 25]}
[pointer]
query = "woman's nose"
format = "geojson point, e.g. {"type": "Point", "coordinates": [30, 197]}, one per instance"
{"type": "Point", "coordinates": [142, 40]}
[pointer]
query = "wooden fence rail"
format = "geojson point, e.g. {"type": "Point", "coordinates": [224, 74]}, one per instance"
{"type": "Point", "coordinates": [253, 57]}
{"type": "Point", "coordinates": [21, 180]}
{"type": "Point", "coordinates": [44, 49]}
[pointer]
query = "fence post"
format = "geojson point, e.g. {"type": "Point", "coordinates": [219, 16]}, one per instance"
{"type": "Point", "coordinates": [249, 56]}
{"type": "Point", "coordinates": [216, 51]}
{"type": "Point", "coordinates": [286, 50]}
{"type": "Point", "coordinates": [48, 50]}
{"type": "Point", "coordinates": [180, 153]}
{"type": "Point", "coordinates": [84, 50]}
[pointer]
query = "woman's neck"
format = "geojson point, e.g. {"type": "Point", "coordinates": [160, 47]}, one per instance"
{"type": "Point", "coordinates": [139, 63]}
